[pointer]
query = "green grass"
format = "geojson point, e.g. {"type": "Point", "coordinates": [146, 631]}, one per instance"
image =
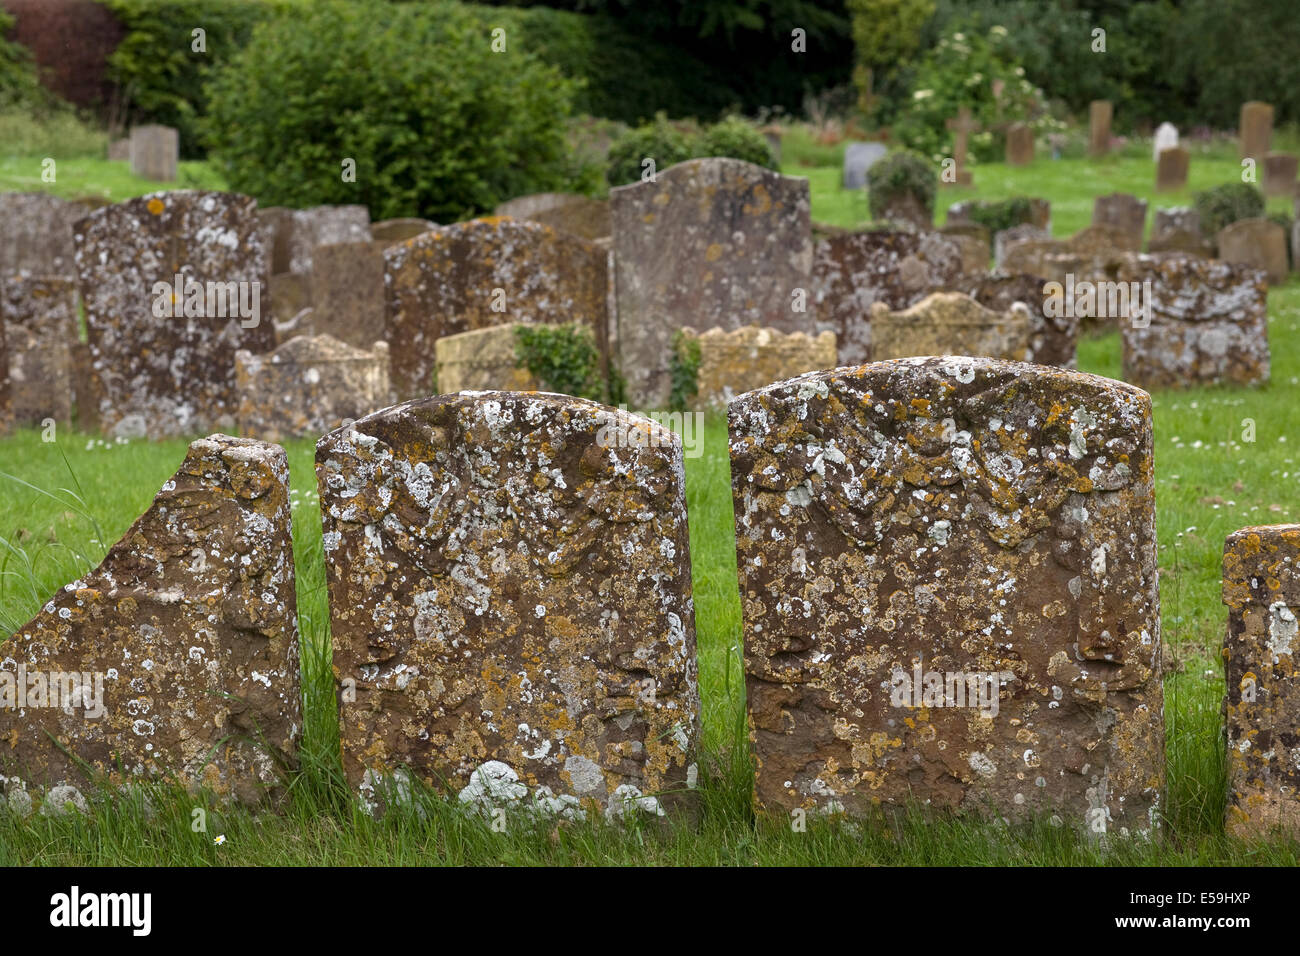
{"type": "Point", "coordinates": [1209, 482]}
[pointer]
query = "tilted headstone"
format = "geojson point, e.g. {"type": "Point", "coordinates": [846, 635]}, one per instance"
{"type": "Point", "coordinates": [310, 385]}
{"type": "Point", "coordinates": [482, 273]}
{"type": "Point", "coordinates": [948, 586]}
{"type": "Point", "coordinates": [483, 360]}
{"type": "Point", "coordinates": [710, 242]}
{"type": "Point", "coordinates": [1177, 229]}
{"type": "Point", "coordinates": [1172, 168]}
{"type": "Point", "coordinates": [1100, 113]}
{"type": "Point", "coordinates": [579, 215]}
{"type": "Point", "coordinates": [1280, 174]}
{"type": "Point", "coordinates": [1123, 212]}
{"type": "Point", "coordinates": [1206, 322]}
{"type": "Point", "coordinates": [1053, 339]}
{"type": "Point", "coordinates": [858, 158]}
{"type": "Point", "coordinates": [36, 234]}
{"type": "Point", "coordinates": [178, 656]}
{"type": "Point", "coordinates": [1020, 145]}
{"type": "Point", "coordinates": [40, 318]}
{"type": "Point", "coordinates": [163, 348]}
{"type": "Point", "coordinates": [856, 270]}
{"type": "Point", "coordinates": [389, 231]}
{"type": "Point", "coordinates": [347, 292]}
{"type": "Point", "coordinates": [949, 323]}
{"type": "Point", "coordinates": [1166, 138]}
{"type": "Point", "coordinates": [510, 603]}
{"type": "Point", "coordinates": [1261, 588]}
{"type": "Point", "coordinates": [735, 362]}
{"type": "Point", "coordinates": [1259, 243]}
{"type": "Point", "coordinates": [155, 152]}
{"type": "Point", "coordinates": [1256, 130]}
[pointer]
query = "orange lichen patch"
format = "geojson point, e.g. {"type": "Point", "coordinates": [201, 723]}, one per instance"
{"type": "Point", "coordinates": [156, 206]}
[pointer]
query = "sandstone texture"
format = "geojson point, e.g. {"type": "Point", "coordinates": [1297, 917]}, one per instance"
{"type": "Point", "coordinates": [950, 323]}
{"type": "Point", "coordinates": [40, 318]}
{"type": "Point", "coordinates": [739, 361]}
{"type": "Point", "coordinates": [482, 360]}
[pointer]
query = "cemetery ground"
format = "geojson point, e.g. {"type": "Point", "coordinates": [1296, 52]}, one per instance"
{"type": "Point", "coordinates": [64, 502]}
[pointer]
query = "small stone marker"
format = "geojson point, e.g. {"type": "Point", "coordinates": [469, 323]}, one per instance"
{"type": "Point", "coordinates": [155, 152]}
{"type": "Point", "coordinates": [37, 234]}
{"type": "Point", "coordinates": [40, 318]}
{"type": "Point", "coordinates": [1099, 117]}
{"type": "Point", "coordinates": [1020, 145]}
{"type": "Point", "coordinates": [961, 128]}
{"type": "Point", "coordinates": [1177, 229]}
{"type": "Point", "coordinates": [947, 572]}
{"type": "Point", "coordinates": [1124, 212]}
{"type": "Point", "coordinates": [1256, 129]}
{"type": "Point", "coordinates": [1259, 243]}
{"type": "Point", "coordinates": [735, 362]}
{"type": "Point", "coordinates": [347, 292]}
{"type": "Point", "coordinates": [510, 604]}
{"type": "Point", "coordinates": [482, 360]}
{"type": "Point", "coordinates": [1262, 710]}
{"type": "Point", "coordinates": [578, 215]}
{"type": "Point", "coordinates": [858, 158]}
{"type": "Point", "coordinates": [1166, 138]}
{"type": "Point", "coordinates": [1280, 174]}
{"type": "Point", "coordinates": [949, 323]}
{"type": "Point", "coordinates": [310, 385]}
{"type": "Point", "coordinates": [1171, 169]}
{"type": "Point", "coordinates": [177, 656]}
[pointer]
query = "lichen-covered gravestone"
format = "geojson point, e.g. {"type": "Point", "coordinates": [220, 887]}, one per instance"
{"type": "Point", "coordinates": [178, 655]}
{"type": "Point", "coordinates": [154, 152]}
{"type": "Point", "coordinates": [735, 362]}
{"type": "Point", "coordinates": [510, 603]}
{"type": "Point", "coordinates": [1206, 322]}
{"type": "Point", "coordinates": [710, 242]}
{"type": "Point", "coordinates": [483, 360]}
{"type": "Point", "coordinates": [40, 318]}
{"type": "Point", "coordinates": [347, 292]}
{"type": "Point", "coordinates": [1177, 229]}
{"type": "Point", "coordinates": [1124, 212]}
{"type": "Point", "coordinates": [323, 226]}
{"type": "Point", "coordinates": [162, 349]}
{"type": "Point", "coordinates": [309, 385]}
{"type": "Point", "coordinates": [36, 238]}
{"type": "Point", "coordinates": [579, 215]}
{"type": "Point", "coordinates": [482, 273]}
{"type": "Point", "coordinates": [948, 583]}
{"type": "Point", "coordinates": [1261, 587]}
{"type": "Point", "coordinates": [852, 272]}
{"type": "Point", "coordinates": [949, 323]}
{"type": "Point", "coordinates": [1053, 339]}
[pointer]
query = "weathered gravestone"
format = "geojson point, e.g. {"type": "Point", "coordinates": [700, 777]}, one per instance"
{"type": "Point", "coordinates": [39, 314]}
{"type": "Point", "coordinates": [1124, 212]}
{"type": "Point", "coordinates": [949, 323]}
{"type": "Point", "coordinates": [1100, 113]}
{"type": "Point", "coordinates": [1177, 229]}
{"type": "Point", "coordinates": [1205, 321]}
{"type": "Point", "coordinates": [323, 226]}
{"type": "Point", "coordinates": [1053, 339]}
{"type": "Point", "coordinates": [961, 127]}
{"type": "Point", "coordinates": [711, 242]}
{"type": "Point", "coordinates": [36, 238]}
{"type": "Point", "coordinates": [510, 603]}
{"type": "Point", "coordinates": [973, 241]}
{"type": "Point", "coordinates": [1256, 130]}
{"type": "Point", "coordinates": [738, 361]}
{"type": "Point", "coordinates": [178, 655]}
{"type": "Point", "coordinates": [1166, 138]}
{"type": "Point", "coordinates": [482, 273]}
{"type": "Point", "coordinates": [310, 385]}
{"type": "Point", "coordinates": [482, 360]}
{"type": "Point", "coordinates": [1020, 145]}
{"type": "Point", "coordinates": [858, 158]}
{"type": "Point", "coordinates": [1280, 174]}
{"type": "Point", "coordinates": [289, 294]}
{"type": "Point", "coordinates": [1171, 169]}
{"type": "Point", "coordinates": [1007, 238]}
{"type": "Point", "coordinates": [948, 582]}
{"type": "Point", "coordinates": [567, 212]}
{"type": "Point", "coordinates": [854, 271]}
{"type": "Point", "coordinates": [155, 152]}
{"type": "Point", "coordinates": [347, 292]}
{"type": "Point", "coordinates": [173, 284]}
{"type": "Point", "coordinates": [1261, 588]}
{"type": "Point", "coordinates": [390, 231]}
{"type": "Point", "coordinates": [1259, 243]}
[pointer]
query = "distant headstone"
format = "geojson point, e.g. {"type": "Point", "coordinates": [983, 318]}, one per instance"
{"type": "Point", "coordinates": [973, 239]}
{"type": "Point", "coordinates": [347, 292]}
{"type": "Point", "coordinates": [1099, 117]}
{"type": "Point", "coordinates": [949, 323]}
{"type": "Point", "coordinates": [484, 360]}
{"type": "Point", "coordinates": [36, 234]}
{"type": "Point", "coordinates": [858, 158]}
{"type": "Point", "coordinates": [1177, 229]}
{"type": "Point", "coordinates": [1172, 168]}
{"type": "Point", "coordinates": [1256, 130]}
{"type": "Point", "coordinates": [1007, 238]}
{"type": "Point", "coordinates": [1258, 243]}
{"type": "Point", "coordinates": [395, 230]}
{"type": "Point", "coordinates": [961, 127]}
{"type": "Point", "coordinates": [290, 294]}
{"type": "Point", "coordinates": [1020, 145]}
{"type": "Point", "coordinates": [1166, 138]}
{"type": "Point", "coordinates": [579, 215]}
{"type": "Point", "coordinates": [155, 152]}
{"type": "Point", "coordinates": [735, 362]}
{"type": "Point", "coordinates": [40, 318]}
{"type": "Point", "coordinates": [1053, 339]}
{"type": "Point", "coordinates": [323, 226]}
{"type": "Point", "coordinates": [1124, 212]}
{"type": "Point", "coordinates": [1280, 174]}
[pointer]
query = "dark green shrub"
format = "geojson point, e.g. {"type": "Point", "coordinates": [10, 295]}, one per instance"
{"type": "Point", "coordinates": [997, 215]}
{"type": "Point", "coordinates": [438, 124]}
{"type": "Point", "coordinates": [563, 358]}
{"type": "Point", "coordinates": [735, 138]}
{"type": "Point", "coordinates": [658, 140]}
{"type": "Point", "coordinates": [1225, 204]}
{"type": "Point", "coordinates": [900, 174]}
{"type": "Point", "coordinates": [20, 87]}
{"type": "Point", "coordinates": [684, 372]}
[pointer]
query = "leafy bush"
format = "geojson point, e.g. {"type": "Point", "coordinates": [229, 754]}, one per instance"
{"type": "Point", "coordinates": [55, 133]}
{"type": "Point", "coordinates": [668, 144]}
{"type": "Point", "coordinates": [1225, 204]}
{"type": "Point", "coordinates": [563, 358]}
{"type": "Point", "coordinates": [683, 371]}
{"type": "Point", "coordinates": [898, 175]}
{"type": "Point", "coordinates": [735, 138]}
{"type": "Point", "coordinates": [20, 87]}
{"type": "Point", "coordinates": [997, 215]}
{"type": "Point", "coordinates": [438, 124]}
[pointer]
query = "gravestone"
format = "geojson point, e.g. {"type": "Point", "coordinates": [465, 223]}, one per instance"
{"type": "Point", "coordinates": [1006, 238]}
{"type": "Point", "coordinates": [1280, 174]}
{"type": "Point", "coordinates": [858, 159]}
{"type": "Point", "coordinates": [949, 323]}
{"type": "Point", "coordinates": [155, 152]}
{"type": "Point", "coordinates": [1256, 130]}
{"type": "Point", "coordinates": [1166, 138]}
{"type": "Point", "coordinates": [510, 600]}
{"type": "Point", "coordinates": [1048, 258]}
{"type": "Point", "coordinates": [323, 226]}
{"type": "Point", "coordinates": [39, 314]}
{"type": "Point", "coordinates": [711, 242]}
{"type": "Point", "coordinates": [178, 656]}
{"type": "Point", "coordinates": [482, 273]}
{"type": "Point", "coordinates": [1172, 168]}
{"type": "Point", "coordinates": [1020, 145]}
{"type": "Point", "coordinates": [482, 360]}
{"type": "Point", "coordinates": [1262, 709]}
{"type": "Point", "coordinates": [853, 271]}
{"type": "Point", "coordinates": [973, 241]}
{"type": "Point", "coordinates": [1099, 117]}
{"type": "Point", "coordinates": [961, 128]}
{"type": "Point", "coordinates": [347, 292]}
{"type": "Point", "coordinates": [390, 231]}
{"type": "Point", "coordinates": [948, 586]}
{"type": "Point", "coordinates": [1053, 339]}
{"type": "Point", "coordinates": [290, 293]}
{"type": "Point", "coordinates": [1206, 323]}
{"type": "Point", "coordinates": [163, 357]}
{"type": "Point", "coordinates": [579, 215]}
{"type": "Point", "coordinates": [1125, 212]}
{"type": "Point", "coordinates": [275, 223]}
{"type": "Point", "coordinates": [36, 238]}
{"type": "Point", "coordinates": [1259, 243]}
{"type": "Point", "coordinates": [1177, 229]}
{"type": "Point", "coordinates": [732, 363]}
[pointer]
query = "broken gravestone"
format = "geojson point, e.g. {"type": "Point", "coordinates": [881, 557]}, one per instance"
{"type": "Point", "coordinates": [1053, 334]}
{"type": "Point", "coordinates": [949, 323]}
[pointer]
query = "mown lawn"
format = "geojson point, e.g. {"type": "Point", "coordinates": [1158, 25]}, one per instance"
{"type": "Point", "coordinates": [63, 502]}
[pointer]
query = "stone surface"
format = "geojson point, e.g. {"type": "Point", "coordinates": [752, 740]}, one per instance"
{"type": "Point", "coordinates": [1259, 243]}
{"type": "Point", "coordinates": [735, 362]}
{"type": "Point", "coordinates": [567, 212]}
{"type": "Point", "coordinates": [1171, 169]}
{"type": "Point", "coordinates": [347, 292]}
{"type": "Point", "coordinates": [1255, 129]}
{"type": "Point", "coordinates": [119, 150]}
{"type": "Point", "coordinates": [1006, 238]}
{"type": "Point", "coordinates": [1124, 212]}
{"type": "Point", "coordinates": [162, 377]}
{"type": "Point", "coordinates": [310, 385]}
{"type": "Point", "coordinates": [714, 242]}
{"type": "Point", "coordinates": [858, 159]}
{"type": "Point", "coordinates": [155, 152]}
{"type": "Point", "coordinates": [961, 127]}
{"type": "Point", "coordinates": [39, 314]}
{"type": "Point", "coordinates": [1177, 229]}
{"type": "Point", "coordinates": [1100, 113]}
{"type": "Point", "coordinates": [395, 230]}
{"type": "Point", "coordinates": [187, 632]}
{"type": "Point", "coordinates": [1279, 177]}
{"type": "Point", "coordinates": [1262, 708]}
{"type": "Point", "coordinates": [952, 515]}
{"type": "Point", "coordinates": [1166, 137]}
{"type": "Point", "coordinates": [37, 234]}
{"type": "Point", "coordinates": [323, 226]}
{"type": "Point", "coordinates": [482, 273]}
{"type": "Point", "coordinates": [290, 293]}
{"type": "Point", "coordinates": [1020, 145]}
{"type": "Point", "coordinates": [1053, 340]}
{"type": "Point", "coordinates": [949, 323]}
{"type": "Point", "coordinates": [972, 241]}
{"type": "Point", "coordinates": [856, 270]}
{"type": "Point", "coordinates": [1207, 323]}
{"type": "Point", "coordinates": [6, 404]}
{"type": "Point", "coordinates": [510, 594]}
{"type": "Point", "coordinates": [482, 360]}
